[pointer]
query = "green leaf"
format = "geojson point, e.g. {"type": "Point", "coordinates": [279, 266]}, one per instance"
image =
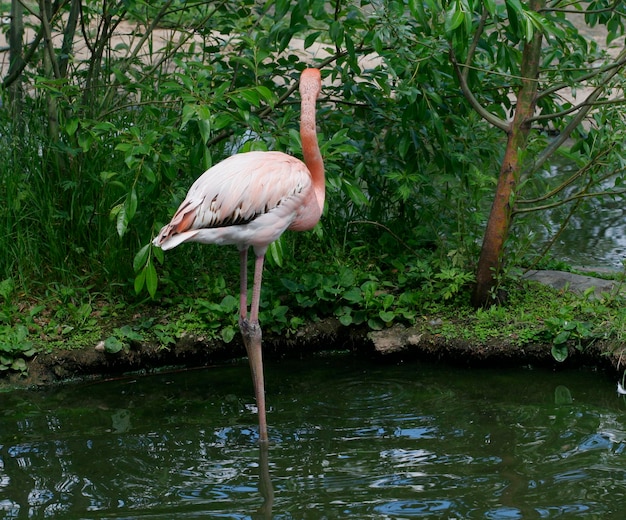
{"type": "Point", "coordinates": [140, 281]}
{"type": "Point", "coordinates": [353, 295]}
{"type": "Point", "coordinates": [188, 113]}
{"type": "Point", "coordinates": [374, 324]}
{"type": "Point", "coordinates": [589, 292]}
{"type": "Point", "coordinates": [85, 140]}
{"type": "Point", "coordinates": [454, 18]}
{"type": "Point", "coordinates": [131, 203]}
{"type": "Point", "coordinates": [281, 8]}
{"type": "Point", "coordinates": [149, 174]}
{"type": "Point", "coordinates": [112, 345]}
{"type": "Point", "coordinates": [141, 257]}
{"type": "Point", "coordinates": [104, 127]}
{"type": "Point", "coordinates": [122, 221]}
{"type": "Point", "coordinates": [71, 126]}
{"type": "Point", "coordinates": [490, 5]}
{"type": "Point", "coordinates": [158, 254]}
{"type": "Point", "coordinates": [222, 121]}
{"type": "Point", "coordinates": [204, 125]}
{"type": "Point", "coordinates": [228, 333]}
{"type": "Point", "coordinates": [276, 252]}
{"type": "Point", "coordinates": [345, 277]}
{"type": "Point", "coordinates": [433, 5]}
{"type": "Point", "coordinates": [229, 303]}
{"type": "Point", "coordinates": [417, 9]}
{"type": "Point", "coordinates": [514, 11]}
{"type": "Point", "coordinates": [124, 147]}
{"type": "Point", "coordinates": [562, 395]}
{"type": "Point", "coordinates": [7, 286]}
{"type": "Point", "coordinates": [291, 285]}
{"type": "Point", "coordinates": [126, 212]}
{"type": "Point", "coordinates": [106, 176]}
{"type": "Point", "coordinates": [335, 32]}
{"type": "Point", "coordinates": [529, 28]}
{"type": "Point", "coordinates": [387, 316]}
{"type": "Point", "coordinates": [345, 319]}
{"type": "Point", "coordinates": [250, 95]}
{"type": "Point", "coordinates": [267, 95]}
{"type": "Point", "coordinates": [311, 39]}
{"type": "Point", "coordinates": [388, 299]}
{"type": "Point", "coordinates": [354, 192]}
{"type": "Point", "coordinates": [203, 112]}
{"type": "Point", "coordinates": [279, 313]}
{"type": "Point", "coordinates": [19, 365]}
{"type": "Point", "coordinates": [152, 279]}
{"type": "Point", "coordinates": [562, 337]}
{"type": "Point", "coordinates": [559, 352]}
{"type": "Point", "coordinates": [129, 333]}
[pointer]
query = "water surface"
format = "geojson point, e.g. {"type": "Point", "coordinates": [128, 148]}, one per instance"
{"type": "Point", "coordinates": [349, 439]}
{"type": "Point", "coordinates": [595, 236]}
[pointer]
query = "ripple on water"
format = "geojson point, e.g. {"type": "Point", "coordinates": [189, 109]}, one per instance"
{"type": "Point", "coordinates": [366, 392]}
{"type": "Point", "coordinates": [401, 457]}
{"type": "Point", "coordinates": [566, 510]}
{"type": "Point", "coordinates": [414, 508]}
{"type": "Point", "coordinates": [504, 513]}
{"type": "Point", "coordinates": [374, 442]}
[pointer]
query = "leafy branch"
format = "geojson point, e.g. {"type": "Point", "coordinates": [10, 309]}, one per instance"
{"type": "Point", "coordinates": [570, 180]}
{"type": "Point", "coordinates": [583, 111]}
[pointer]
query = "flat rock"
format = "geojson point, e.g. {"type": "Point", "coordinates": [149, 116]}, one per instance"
{"type": "Point", "coordinates": [572, 282]}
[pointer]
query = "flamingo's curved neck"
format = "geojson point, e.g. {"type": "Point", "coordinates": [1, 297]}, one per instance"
{"type": "Point", "coordinates": [310, 85]}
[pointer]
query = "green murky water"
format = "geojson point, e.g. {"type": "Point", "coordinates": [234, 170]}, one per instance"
{"type": "Point", "coordinates": [350, 439]}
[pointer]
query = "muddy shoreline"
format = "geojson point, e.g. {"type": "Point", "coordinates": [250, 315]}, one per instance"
{"type": "Point", "coordinates": [395, 344]}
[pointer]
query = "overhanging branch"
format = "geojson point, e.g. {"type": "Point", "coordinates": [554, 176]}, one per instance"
{"type": "Point", "coordinates": [570, 180]}
{"type": "Point", "coordinates": [578, 196]}
{"type": "Point", "coordinates": [481, 110]}
{"type": "Point", "coordinates": [556, 115]}
{"type": "Point", "coordinates": [586, 106]}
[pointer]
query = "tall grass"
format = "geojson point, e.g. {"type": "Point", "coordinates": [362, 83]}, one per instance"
{"type": "Point", "coordinates": [55, 216]}
{"type": "Point", "coordinates": [22, 234]}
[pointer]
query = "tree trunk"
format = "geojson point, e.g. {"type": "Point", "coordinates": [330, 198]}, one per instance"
{"type": "Point", "coordinates": [500, 217]}
{"type": "Point", "coordinates": [16, 36]}
{"type": "Point", "coordinates": [50, 67]}
{"type": "Point", "coordinates": [68, 37]}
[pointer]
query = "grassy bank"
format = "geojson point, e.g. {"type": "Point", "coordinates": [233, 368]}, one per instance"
{"type": "Point", "coordinates": [337, 300]}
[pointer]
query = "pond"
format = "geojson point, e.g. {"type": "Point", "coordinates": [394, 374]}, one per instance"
{"type": "Point", "coordinates": [350, 438]}
{"type": "Point", "coordinates": [595, 236]}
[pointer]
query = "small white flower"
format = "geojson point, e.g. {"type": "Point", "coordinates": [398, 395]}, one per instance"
{"type": "Point", "coordinates": [620, 389]}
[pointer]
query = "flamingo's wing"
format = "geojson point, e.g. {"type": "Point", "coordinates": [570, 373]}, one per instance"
{"type": "Point", "coordinates": [236, 191]}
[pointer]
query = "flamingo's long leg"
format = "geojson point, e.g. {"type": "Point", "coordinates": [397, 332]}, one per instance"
{"type": "Point", "coordinates": [265, 482]}
{"type": "Point", "coordinates": [252, 341]}
{"type": "Point", "coordinates": [252, 338]}
{"type": "Point", "coordinates": [243, 284]}
{"type": "Point", "coordinates": [256, 289]}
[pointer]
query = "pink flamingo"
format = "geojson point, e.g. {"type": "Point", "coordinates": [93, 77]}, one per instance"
{"type": "Point", "coordinates": [249, 200]}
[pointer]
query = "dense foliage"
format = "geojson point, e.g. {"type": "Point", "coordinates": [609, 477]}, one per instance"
{"type": "Point", "coordinates": [115, 140]}
{"type": "Point", "coordinates": [110, 110]}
